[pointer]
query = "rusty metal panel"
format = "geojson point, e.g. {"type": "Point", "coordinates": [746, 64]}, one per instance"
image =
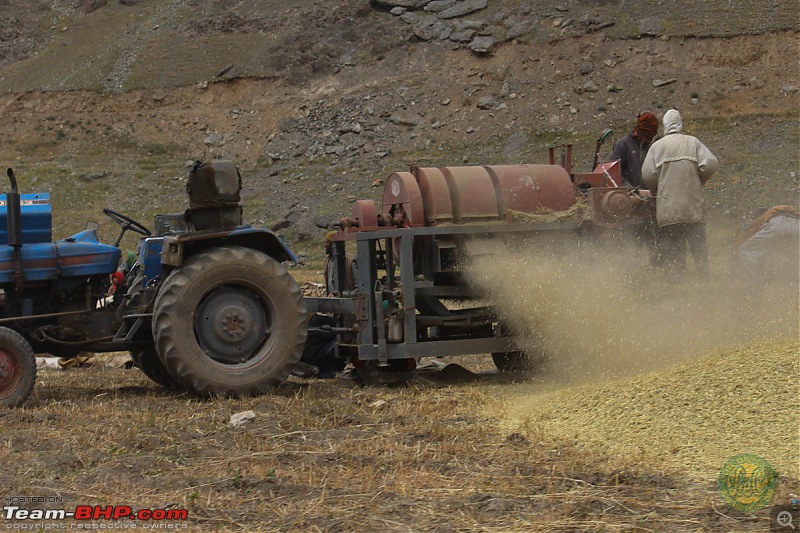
{"type": "Point", "coordinates": [364, 214]}
{"type": "Point", "coordinates": [437, 204]}
{"type": "Point", "coordinates": [402, 199]}
{"type": "Point", "coordinates": [533, 188]}
{"type": "Point", "coordinates": [474, 194]}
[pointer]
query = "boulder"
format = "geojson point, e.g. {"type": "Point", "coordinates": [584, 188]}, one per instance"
{"type": "Point", "coordinates": [465, 7]}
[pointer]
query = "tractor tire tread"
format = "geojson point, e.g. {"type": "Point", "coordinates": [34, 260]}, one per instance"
{"type": "Point", "coordinates": [170, 308]}
{"type": "Point", "coordinates": [26, 359]}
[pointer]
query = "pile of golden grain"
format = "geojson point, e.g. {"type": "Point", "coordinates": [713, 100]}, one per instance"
{"type": "Point", "coordinates": [689, 418]}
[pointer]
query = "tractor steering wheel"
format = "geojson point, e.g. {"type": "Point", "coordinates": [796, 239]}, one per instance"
{"type": "Point", "coordinates": [125, 222]}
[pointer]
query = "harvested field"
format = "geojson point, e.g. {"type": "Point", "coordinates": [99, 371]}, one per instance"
{"type": "Point", "coordinates": [688, 419]}
{"type": "Point", "coordinates": [327, 455]}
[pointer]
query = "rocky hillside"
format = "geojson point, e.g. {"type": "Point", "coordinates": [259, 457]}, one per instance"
{"type": "Point", "coordinates": [103, 102]}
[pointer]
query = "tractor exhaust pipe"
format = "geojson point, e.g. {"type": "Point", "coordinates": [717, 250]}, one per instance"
{"type": "Point", "coordinates": [14, 213]}
{"type": "Point", "coordinates": [14, 221]}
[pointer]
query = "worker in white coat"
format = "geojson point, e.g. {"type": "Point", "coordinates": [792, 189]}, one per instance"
{"type": "Point", "coordinates": [676, 168]}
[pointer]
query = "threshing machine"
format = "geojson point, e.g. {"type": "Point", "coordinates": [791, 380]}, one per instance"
{"type": "Point", "coordinates": [391, 292]}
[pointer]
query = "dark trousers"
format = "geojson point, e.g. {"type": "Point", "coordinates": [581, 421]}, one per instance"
{"type": "Point", "coordinates": [645, 234]}
{"type": "Point", "coordinates": [672, 241]}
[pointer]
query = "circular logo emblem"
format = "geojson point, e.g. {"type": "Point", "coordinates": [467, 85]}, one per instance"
{"type": "Point", "coordinates": [395, 188]}
{"type": "Point", "coordinates": [747, 482]}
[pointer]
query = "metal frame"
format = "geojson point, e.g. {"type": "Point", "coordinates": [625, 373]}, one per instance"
{"type": "Point", "coordinates": [387, 263]}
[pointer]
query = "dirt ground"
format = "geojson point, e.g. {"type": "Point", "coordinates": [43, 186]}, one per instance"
{"type": "Point", "coordinates": [103, 104]}
{"type": "Point", "coordinates": [327, 455]}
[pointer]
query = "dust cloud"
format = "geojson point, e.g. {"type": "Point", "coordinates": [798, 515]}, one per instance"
{"type": "Point", "coordinates": [599, 310]}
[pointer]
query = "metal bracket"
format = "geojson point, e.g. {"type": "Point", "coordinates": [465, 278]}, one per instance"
{"type": "Point", "coordinates": [125, 334]}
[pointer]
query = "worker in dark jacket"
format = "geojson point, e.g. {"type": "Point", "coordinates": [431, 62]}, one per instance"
{"type": "Point", "coordinates": [632, 149]}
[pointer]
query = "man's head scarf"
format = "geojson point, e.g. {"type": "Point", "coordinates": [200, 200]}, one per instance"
{"type": "Point", "coordinates": [646, 127]}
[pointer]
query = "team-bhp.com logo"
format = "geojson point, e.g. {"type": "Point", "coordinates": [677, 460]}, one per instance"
{"type": "Point", "coordinates": [94, 512]}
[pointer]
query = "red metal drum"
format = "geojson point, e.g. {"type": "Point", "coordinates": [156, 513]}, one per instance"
{"type": "Point", "coordinates": [402, 200]}
{"type": "Point", "coordinates": [463, 195]}
{"type": "Point", "coordinates": [532, 188]}
{"type": "Point", "coordinates": [363, 214]}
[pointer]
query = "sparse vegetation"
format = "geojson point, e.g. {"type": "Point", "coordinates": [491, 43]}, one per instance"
{"type": "Point", "coordinates": [327, 455]}
{"type": "Point", "coordinates": [137, 88]}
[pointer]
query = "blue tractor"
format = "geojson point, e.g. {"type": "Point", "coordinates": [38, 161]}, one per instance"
{"type": "Point", "coordinates": [206, 305]}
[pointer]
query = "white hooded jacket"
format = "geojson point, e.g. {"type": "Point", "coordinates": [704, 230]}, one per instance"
{"type": "Point", "coordinates": [676, 168]}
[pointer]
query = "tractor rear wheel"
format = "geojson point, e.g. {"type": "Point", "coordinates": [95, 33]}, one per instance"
{"type": "Point", "coordinates": [17, 368]}
{"type": "Point", "coordinates": [147, 360]}
{"type": "Point", "coordinates": [230, 322]}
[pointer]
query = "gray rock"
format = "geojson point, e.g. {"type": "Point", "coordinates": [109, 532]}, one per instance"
{"type": "Point", "coordinates": [293, 216]}
{"type": "Point", "coordinates": [428, 28]}
{"type": "Point", "coordinates": [586, 68]}
{"type": "Point", "coordinates": [661, 83]}
{"type": "Point", "coordinates": [465, 7]}
{"type": "Point", "coordinates": [518, 30]}
{"type": "Point", "coordinates": [424, 33]}
{"type": "Point", "coordinates": [346, 60]}
{"type": "Point", "coordinates": [588, 87]}
{"type": "Point", "coordinates": [306, 228]}
{"type": "Point", "coordinates": [241, 419]}
{"type": "Point", "coordinates": [471, 24]}
{"type": "Point", "coordinates": [405, 119]}
{"type": "Point", "coordinates": [462, 36]}
{"type": "Point", "coordinates": [353, 127]}
{"type": "Point", "coordinates": [497, 72]}
{"type": "Point", "coordinates": [283, 224]}
{"type": "Point", "coordinates": [481, 44]}
{"type": "Point", "coordinates": [323, 221]}
{"type": "Point", "coordinates": [409, 17]}
{"type": "Point", "coordinates": [214, 139]}
{"type": "Point", "coordinates": [397, 11]}
{"type": "Point", "coordinates": [439, 5]}
{"type": "Point", "coordinates": [410, 4]}
{"type": "Point", "coordinates": [487, 102]}
{"type": "Point", "coordinates": [337, 149]}
{"type": "Point", "coordinates": [650, 26]}
{"type": "Point", "coordinates": [92, 5]}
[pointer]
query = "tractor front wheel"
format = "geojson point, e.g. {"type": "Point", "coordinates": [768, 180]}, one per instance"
{"type": "Point", "coordinates": [147, 360]}
{"type": "Point", "coordinates": [17, 368]}
{"type": "Point", "coordinates": [230, 322]}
